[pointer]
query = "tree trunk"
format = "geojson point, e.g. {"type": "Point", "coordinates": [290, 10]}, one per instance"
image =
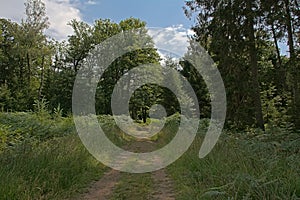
{"type": "Point", "coordinates": [42, 79]}
{"type": "Point", "coordinates": [28, 69]}
{"type": "Point", "coordinates": [254, 67]}
{"type": "Point", "coordinates": [276, 45]}
{"type": "Point", "coordinates": [144, 111]}
{"type": "Point", "coordinates": [281, 69]}
{"type": "Point", "coordinates": [293, 65]}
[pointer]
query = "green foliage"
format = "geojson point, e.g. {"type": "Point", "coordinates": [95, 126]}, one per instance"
{"type": "Point", "coordinates": [275, 112]}
{"type": "Point", "coordinates": [5, 137]}
{"type": "Point", "coordinates": [26, 127]}
{"type": "Point", "coordinates": [55, 169]}
{"type": "Point", "coordinates": [199, 86]}
{"type": "Point", "coordinates": [25, 54]}
{"type": "Point", "coordinates": [126, 62]}
{"type": "Point", "coordinates": [44, 159]}
{"type": "Point", "coordinates": [41, 158]}
{"type": "Point", "coordinates": [58, 112]}
{"type": "Point", "coordinates": [243, 38]}
{"type": "Point", "coordinates": [40, 107]}
{"type": "Point", "coordinates": [5, 98]}
{"type": "Point", "coordinates": [249, 165]}
{"type": "Point", "coordinates": [70, 56]}
{"type": "Point", "coordinates": [112, 131]}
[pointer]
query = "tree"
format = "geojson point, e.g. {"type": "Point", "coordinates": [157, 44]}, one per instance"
{"type": "Point", "coordinates": [123, 64]}
{"type": "Point", "coordinates": [292, 26]}
{"type": "Point", "coordinates": [199, 86]}
{"type": "Point", "coordinates": [32, 39]}
{"type": "Point", "coordinates": [71, 57]}
{"type": "Point", "coordinates": [250, 31]}
{"type": "Point", "coordinates": [79, 44]}
{"type": "Point", "coordinates": [221, 29]}
{"type": "Point", "coordinates": [25, 54]}
{"type": "Point", "coordinates": [243, 38]}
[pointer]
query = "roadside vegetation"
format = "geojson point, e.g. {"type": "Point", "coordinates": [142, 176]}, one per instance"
{"type": "Point", "coordinates": [42, 157]}
{"type": "Point", "coordinates": [244, 165]}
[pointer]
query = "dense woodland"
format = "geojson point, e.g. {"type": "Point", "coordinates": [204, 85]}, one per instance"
{"type": "Point", "coordinates": [242, 37]}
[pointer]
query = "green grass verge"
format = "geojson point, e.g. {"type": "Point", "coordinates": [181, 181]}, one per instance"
{"type": "Point", "coordinates": [41, 157]}
{"type": "Point", "coordinates": [241, 166]}
{"type": "Point", "coordinates": [56, 169]}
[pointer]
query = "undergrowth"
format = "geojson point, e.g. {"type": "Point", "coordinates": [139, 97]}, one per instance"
{"type": "Point", "coordinates": [249, 165]}
{"type": "Point", "coordinates": [55, 169]}
{"type": "Point", "coordinates": [42, 157]}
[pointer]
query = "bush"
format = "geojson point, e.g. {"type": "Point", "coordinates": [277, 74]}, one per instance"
{"type": "Point", "coordinates": [16, 128]}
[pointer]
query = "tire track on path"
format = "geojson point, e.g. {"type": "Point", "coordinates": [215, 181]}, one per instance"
{"type": "Point", "coordinates": [104, 188]}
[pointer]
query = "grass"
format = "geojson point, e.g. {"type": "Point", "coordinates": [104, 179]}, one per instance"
{"type": "Point", "coordinates": [55, 169]}
{"type": "Point", "coordinates": [133, 187]}
{"type": "Point", "coordinates": [17, 128]}
{"type": "Point", "coordinates": [241, 166]}
{"type": "Point", "coordinates": [42, 158]}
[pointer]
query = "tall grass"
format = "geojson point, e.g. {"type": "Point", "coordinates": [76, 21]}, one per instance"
{"type": "Point", "coordinates": [35, 126]}
{"type": "Point", "coordinates": [54, 169]}
{"type": "Point", "coordinates": [42, 158]}
{"type": "Point", "coordinates": [241, 166]}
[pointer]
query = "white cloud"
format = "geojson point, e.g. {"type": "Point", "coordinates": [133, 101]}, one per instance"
{"type": "Point", "coordinates": [60, 12]}
{"type": "Point", "coordinates": [172, 41]}
{"type": "Point", "coordinates": [91, 2]}
{"type": "Point", "coordinates": [13, 9]}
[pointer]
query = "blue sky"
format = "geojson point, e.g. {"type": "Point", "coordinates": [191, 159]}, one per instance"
{"type": "Point", "coordinates": [167, 14]}
{"type": "Point", "coordinates": [157, 13]}
{"type": "Point", "coordinates": [165, 18]}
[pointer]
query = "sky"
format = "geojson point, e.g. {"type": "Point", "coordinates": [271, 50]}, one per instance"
{"type": "Point", "coordinates": [156, 13]}
{"type": "Point", "coordinates": [165, 18]}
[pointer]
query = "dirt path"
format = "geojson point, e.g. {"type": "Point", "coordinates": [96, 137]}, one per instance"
{"type": "Point", "coordinates": [164, 189]}
{"type": "Point", "coordinates": [104, 188]}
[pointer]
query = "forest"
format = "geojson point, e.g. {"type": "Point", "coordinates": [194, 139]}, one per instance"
{"type": "Point", "coordinates": [255, 45]}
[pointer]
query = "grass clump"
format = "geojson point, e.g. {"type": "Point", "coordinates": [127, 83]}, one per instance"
{"type": "Point", "coordinates": [133, 187]}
